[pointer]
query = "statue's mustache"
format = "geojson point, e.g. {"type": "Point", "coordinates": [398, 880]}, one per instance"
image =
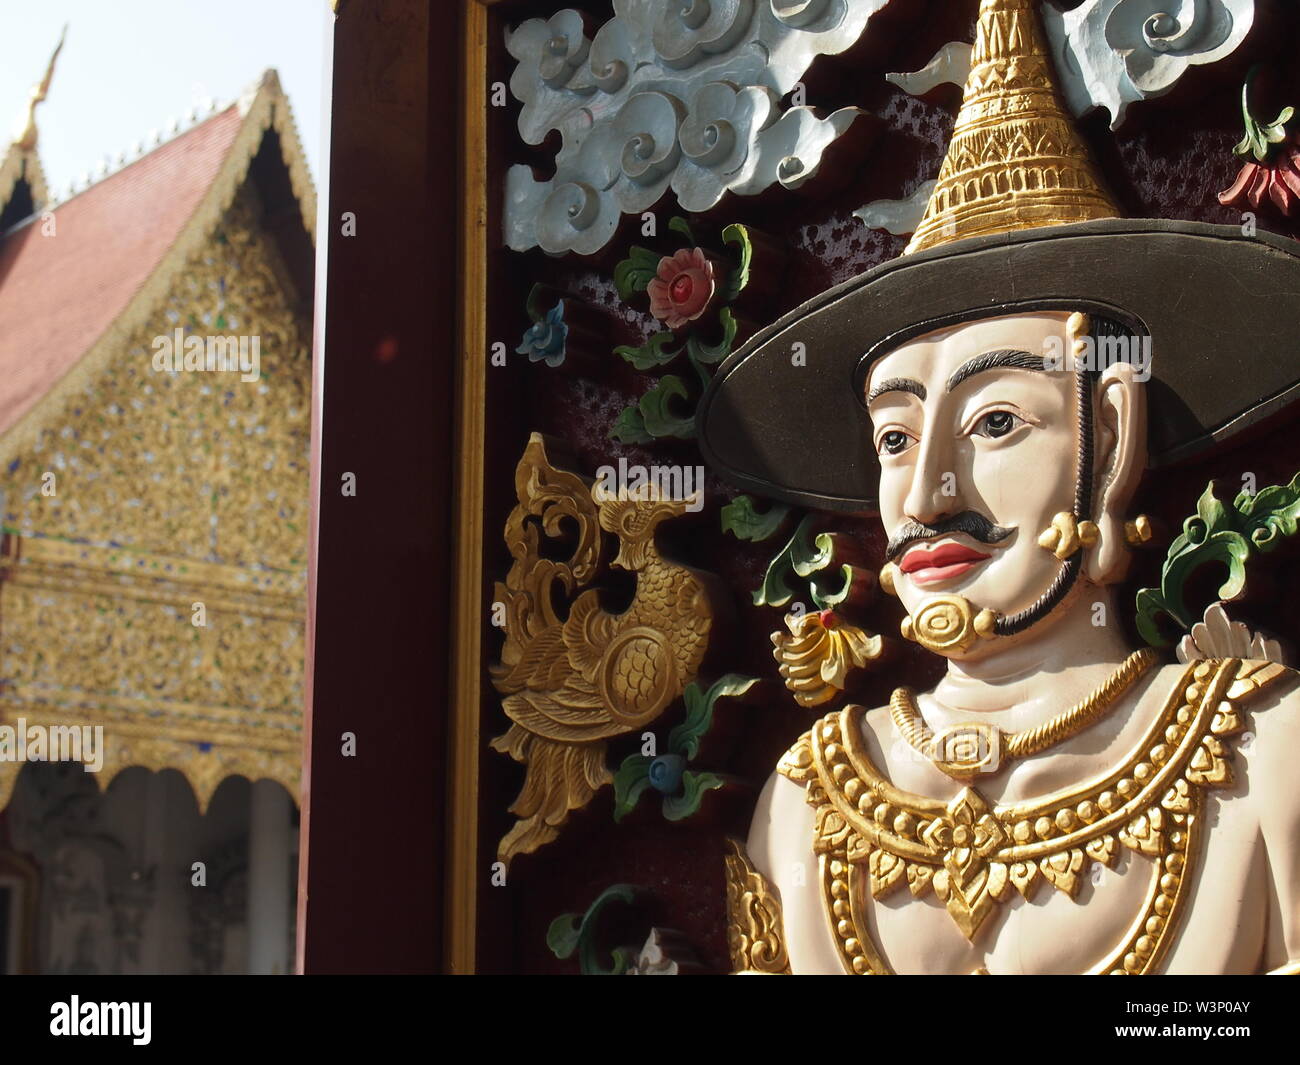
{"type": "Point", "coordinates": [970, 522]}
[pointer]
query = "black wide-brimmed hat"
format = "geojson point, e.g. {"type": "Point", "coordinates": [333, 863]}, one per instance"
{"type": "Point", "coordinates": [1019, 222]}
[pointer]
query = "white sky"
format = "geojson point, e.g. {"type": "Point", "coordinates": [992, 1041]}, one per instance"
{"type": "Point", "coordinates": [132, 66]}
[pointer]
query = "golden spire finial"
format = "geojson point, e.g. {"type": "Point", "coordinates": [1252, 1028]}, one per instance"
{"type": "Point", "coordinates": [25, 138]}
{"type": "Point", "coordinates": [1015, 160]}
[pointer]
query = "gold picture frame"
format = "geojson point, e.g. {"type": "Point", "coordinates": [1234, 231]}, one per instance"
{"type": "Point", "coordinates": [466, 666]}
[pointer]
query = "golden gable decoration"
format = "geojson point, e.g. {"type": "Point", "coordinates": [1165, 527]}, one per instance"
{"type": "Point", "coordinates": [172, 491]}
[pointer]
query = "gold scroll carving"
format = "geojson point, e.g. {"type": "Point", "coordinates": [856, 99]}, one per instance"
{"type": "Point", "coordinates": [755, 930]}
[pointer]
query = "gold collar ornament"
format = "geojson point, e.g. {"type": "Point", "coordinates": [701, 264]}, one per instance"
{"type": "Point", "coordinates": [972, 748]}
{"type": "Point", "coordinates": [872, 837]}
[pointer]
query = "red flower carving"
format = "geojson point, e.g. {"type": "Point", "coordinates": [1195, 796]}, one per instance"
{"type": "Point", "coordinates": [1278, 182]}
{"type": "Point", "coordinates": [683, 288]}
{"type": "Point", "coordinates": [1274, 172]}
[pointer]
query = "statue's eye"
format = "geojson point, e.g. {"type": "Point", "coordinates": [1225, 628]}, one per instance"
{"type": "Point", "coordinates": [894, 442]}
{"type": "Point", "coordinates": [997, 423]}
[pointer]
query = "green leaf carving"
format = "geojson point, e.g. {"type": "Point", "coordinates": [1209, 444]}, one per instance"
{"type": "Point", "coordinates": [694, 785]}
{"type": "Point", "coordinates": [652, 353]}
{"type": "Point", "coordinates": [744, 522]}
{"type": "Point", "coordinates": [685, 738]}
{"type": "Point", "coordinates": [678, 224]}
{"type": "Point", "coordinates": [714, 353]}
{"type": "Point", "coordinates": [536, 298]}
{"type": "Point", "coordinates": [630, 782]}
{"type": "Point", "coordinates": [634, 273]}
{"type": "Point", "coordinates": [1260, 136]}
{"type": "Point", "coordinates": [797, 556]}
{"type": "Point", "coordinates": [629, 427]}
{"type": "Point", "coordinates": [1273, 512]}
{"type": "Point", "coordinates": [1217, 533]}
{"type": "Point", "coordinates": [828, 600]}
{"type": "Point", "coordinates": [577, 932]}
{"type": "Point", "coordinates": [806, 564]}
{"type": "Point", "coordinates": [738, 236]}
{"type": "Point", "coordinates": [562, 935]}
{"type": "Point", "coordinates": [657, 414]}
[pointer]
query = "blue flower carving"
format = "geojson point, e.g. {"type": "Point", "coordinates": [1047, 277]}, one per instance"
{"type": "Point", "coordinates": [545, 339]}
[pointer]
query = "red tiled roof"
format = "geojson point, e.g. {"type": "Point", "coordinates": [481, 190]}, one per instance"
{"type": "Point", "coordinates": [59, 294]}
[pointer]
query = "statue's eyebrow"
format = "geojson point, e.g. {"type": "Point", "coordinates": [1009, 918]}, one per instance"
{"type": "Point", "coordinates": [992, 360]}
{"type": "Point", "coordinates": [897, 384]}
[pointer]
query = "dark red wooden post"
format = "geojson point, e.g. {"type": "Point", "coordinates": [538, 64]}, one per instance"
{"type": "Point", "coordinates": [372, 827]}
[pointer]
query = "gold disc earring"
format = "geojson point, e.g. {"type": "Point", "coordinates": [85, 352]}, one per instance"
{"type": "Point", "coordinates": [1138, 531]}
{"type": "Point", "coordinates": [1067, 534]}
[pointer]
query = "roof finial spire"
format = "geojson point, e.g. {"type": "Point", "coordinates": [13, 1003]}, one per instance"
{"type": "Point", "coordinates": [25, 138]}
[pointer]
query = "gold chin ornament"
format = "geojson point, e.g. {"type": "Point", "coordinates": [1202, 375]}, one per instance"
{"type": "Point", "coordinates": [948, 625]}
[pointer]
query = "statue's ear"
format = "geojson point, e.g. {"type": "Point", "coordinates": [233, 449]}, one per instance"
{"type": "Point", "coordinates": [1121, 458]}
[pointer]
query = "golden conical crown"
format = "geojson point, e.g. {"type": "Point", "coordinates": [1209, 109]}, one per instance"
{"type": "Point", "coordinates": [1015, 160]}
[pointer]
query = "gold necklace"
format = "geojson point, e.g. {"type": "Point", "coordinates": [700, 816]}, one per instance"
{"type": "Point", "coordinates": [966, 750]}
{"type": "Point", "coordinates": [872, 838]}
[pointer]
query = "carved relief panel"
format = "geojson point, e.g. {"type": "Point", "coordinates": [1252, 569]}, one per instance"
{"type": "Point", "coordinates": [692, 233]}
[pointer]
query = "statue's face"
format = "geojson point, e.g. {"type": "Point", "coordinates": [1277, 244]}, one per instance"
{"type": "Point", "coordinates": [997, 444]}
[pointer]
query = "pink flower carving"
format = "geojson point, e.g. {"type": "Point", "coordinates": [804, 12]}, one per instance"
{"type": "Point", "coordinates": [683, 288]}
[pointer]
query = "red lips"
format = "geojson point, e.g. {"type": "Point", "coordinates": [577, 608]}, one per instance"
{"type": "Point", "coordinates": [926, 565]}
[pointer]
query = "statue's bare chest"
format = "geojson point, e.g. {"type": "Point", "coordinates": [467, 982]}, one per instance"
{"type": "Point", "coordinates": [1136, 870]}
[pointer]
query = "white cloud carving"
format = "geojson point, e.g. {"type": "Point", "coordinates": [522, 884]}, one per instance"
{"type": "Point", "coordinates": [1111, 53]}
{"type": "Point", "coordinates": [680, 94]}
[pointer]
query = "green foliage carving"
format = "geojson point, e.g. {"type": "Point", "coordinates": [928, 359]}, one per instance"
{"type": "Point", "coordinates": [657, 412]}
{"type": "Point", "coordinates": [737, 236]}
{"type": "Point", "coordinates": [683, 789]}
{"type": "Point", "coordinates": [705, 342]}
{"type": "Point", "coordinates": [1227, 534]}
{"type": "Point", "coordinates": [745, 522]}
{"type": "Point", "coordinates": [1260, 136]}
{"type": "Point", "coordinates": [574, 932]}
{"type": "Point", "coordinates": [634, 273]}
{"type": "Point", "coordinates": [653, 353]}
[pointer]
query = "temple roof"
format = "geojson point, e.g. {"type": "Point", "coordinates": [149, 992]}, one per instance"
{"type": "Point", "coordinates": [72, 289]}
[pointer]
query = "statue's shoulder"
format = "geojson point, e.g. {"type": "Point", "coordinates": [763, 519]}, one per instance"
{"type": "Point", "coordinates": [797, 762]}
{"type": "Point", "coordinates": [1270, 693]}
{"type": "Point", "coordinates": [799, 765]}
{"type": "Point", "coordinates": [1263, 723]}
{"type": "Point", "coordinates": [1255, 683]}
